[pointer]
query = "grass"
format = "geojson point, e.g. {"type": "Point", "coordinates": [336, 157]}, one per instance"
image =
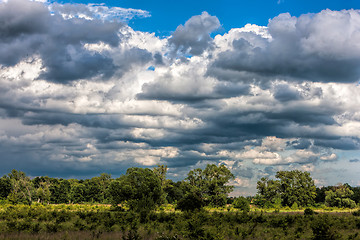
{"type": "Point", "coordinates": [98, 221]}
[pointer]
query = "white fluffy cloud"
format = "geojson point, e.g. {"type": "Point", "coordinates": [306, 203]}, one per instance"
{"type": "Point", "coordinates": [257, 98]}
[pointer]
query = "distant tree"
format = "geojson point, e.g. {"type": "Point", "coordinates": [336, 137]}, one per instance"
{"type": "Point", "coordinates": [340, 196]}
{"type": "Point", "coordinates": [320, 194]}
{"type": "Point", "coordinates": [140, 188]}
{"type": "Point", "coordinates": [5, 187]}
{"type": "Point", "coordinates": [174, 191]}
{"type": "Point", "coordinates": [268, 193]}
{"type": "Point", "coordinates": [60, 190]}
{"type": "Point", "coordinates": [356, 196]}
{"type": "Point", "coordinates": [78, 192]}
{"type": "Point", "coordinates": [22, 189]}
{"type": "Point", "coordinates": [293, 188]}
{"type": "Point", "coordinates": [191, 201]}
{"type": "Point", "coordinates": [242, 204]}
{"type": "Point", "coordinates": [211, 184]}
{"type": "Point", "coordinates": [43, 193]}
{"type": "Point", "coordinates": [296, 187]}
{"type": "Point", "coordinates": [160, 171]}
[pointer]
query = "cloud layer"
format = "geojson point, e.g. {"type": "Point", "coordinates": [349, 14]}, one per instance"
{"type": "Point", "coordinates": [83, 93]}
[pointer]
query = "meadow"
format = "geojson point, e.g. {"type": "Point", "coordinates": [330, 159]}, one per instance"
{"type": "Point", "coordinates": [99, 221]}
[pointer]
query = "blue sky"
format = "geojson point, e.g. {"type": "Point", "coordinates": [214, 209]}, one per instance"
{"type": "Point", "coordinates": [87, 89]}
{"type": "Point", "coordinates": [167, 15]}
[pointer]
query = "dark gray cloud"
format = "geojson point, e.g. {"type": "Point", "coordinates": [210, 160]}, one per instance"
{"type": "Point", "coordinates": [308, 47]}
{"type": "Point", "coordinates": [355, 160]}
{"type": "Point", "coordinates": [194, 37]}
{"type": "Point", "coordinates": [284, 93]}
{"type": "Point", "coordinates": [301, 143]}
{"type": "Point", "coordinates": [28, 28]}
{"type": "Point", "coordinates": [168, 90]}
{"type": "Point", "coordinates": [341, 143]}
{"type": "Point", "coordinates": [254, 103]}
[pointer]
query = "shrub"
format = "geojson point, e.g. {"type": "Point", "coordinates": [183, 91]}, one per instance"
{"type": "Point", "coordinates": [309, 211]}
{"type": "Point", "coordinates": [356, 213]}
{"type": "Point", "coordinates": [322, 228]}
{"type": "Point", "coordinates": [190, 202]}
{"type": "Point", "coordinates": [242, 204]}
{"type": "Point", "coordinates": [294, 206]}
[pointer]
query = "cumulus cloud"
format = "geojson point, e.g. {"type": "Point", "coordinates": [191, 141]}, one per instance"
{"type": "Point", "coordinates": [30, 29]}
{"type": "Point", "coordinates": [83, 93]}
{"type": "Point", "coordinates": [194, 37]}
{"type": "Point", "coordinates": [319, 47]}
{"type": "Point", "coordinates": [98, 11]}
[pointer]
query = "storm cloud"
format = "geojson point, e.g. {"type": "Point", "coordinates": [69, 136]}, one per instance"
{"type": "Point", "coordinates": [319, 47]}
{"type": "Point", "coordinates": [83, 93]}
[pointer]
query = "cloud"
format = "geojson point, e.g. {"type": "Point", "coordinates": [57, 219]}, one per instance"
{"type": "Point", "coordinates": [98, 11]}
{"type": "Point", "coordinates": [306, 48]}
{"type": "Point", "coordinates": [83, 93]}
{"type": "Point", "coordinates": [194, 37]}
{"type": "Point", "coordinates": [57, 40]}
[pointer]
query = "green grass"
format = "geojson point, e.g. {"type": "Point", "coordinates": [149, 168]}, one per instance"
{"type": "Point", "coordinates": [92, 221]}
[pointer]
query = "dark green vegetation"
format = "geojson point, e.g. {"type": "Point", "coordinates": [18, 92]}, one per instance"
{"type": "Point", "coordinates": [92, 221]}
{"type": "Point", "coordinates": [143, 204]}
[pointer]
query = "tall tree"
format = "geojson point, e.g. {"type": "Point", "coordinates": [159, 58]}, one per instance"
{"type": "Point", "coordinates": [5, 187]}
{"type": "Point", "coordinates": [160, 171]}
{"type": "Point", "coordinates": [296, 187]}
{"type": "Point", "coordinates": [139, 187]}
{"type": "Point", "coordinates": [340, 196]}
{"type": "Point", "coordinates": [292, 187]}
{"type": "Point", "coordinates": [22, 189]}
{"type": "Point", "coordinates": [211, 183]}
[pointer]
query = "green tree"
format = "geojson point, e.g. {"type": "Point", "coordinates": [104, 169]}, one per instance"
{"type": "Point", "coordinates": [268, 193]}
{"type": "Point", "coordinates": [340, 196]}
{"type": "Point", "coordinates": [22, 189]}
{"type": "Point", "coordinates": [60, 190]}
{"type": "Point", "coordinates": [191, 201]}
{"type": "Point", "coordinates": [211, 184]}
{"type": "Point", "coordinates": [43, 192]}
{"type": "Point", "coordinates": [139, 187]}
{"type": "Point", "coordinates": [174, 191]}
{"type": "Point", "coordinates": [242, 204]}
{"type": "Point", "coordinates": [296, 187]}
{"type": "Point", "coordinates": [293, 188]}
{"type": "Point", "coordinates": [77, 192]}
{"type": "Point", "coordinates": [5, 187]}
{"type": "Point", "coordinates": [160, 171]}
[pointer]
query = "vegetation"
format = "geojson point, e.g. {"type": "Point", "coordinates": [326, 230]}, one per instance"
{"type": "Point", "coordinates": [143, 204]}
{"type": "Point", "coordinates": [293, 189]}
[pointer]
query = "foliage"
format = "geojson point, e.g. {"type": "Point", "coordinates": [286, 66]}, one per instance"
{"type": "Point", "coordinates": [293, 187]}
{"type": "Point", "coordinates": [242, 204]}
{"type": "Point", "coordinates": [309, 211]}
{"type": "Point", "coordinates": [89, 221]}
{"type": "Point", "coordinates": [340, 196]}
{"type": "Point", "coordinates": [190, 202]}
{"type": "Point", "coordinates": [322, 228]}
{"type": "Point", "coordinates": [211, 183]}
{"type": "Point", "coordinates": [22, 189]}
{"type": "Point", "coordinates": [5, 187]}
{"type": "Point", "coordinates": [141, 188]}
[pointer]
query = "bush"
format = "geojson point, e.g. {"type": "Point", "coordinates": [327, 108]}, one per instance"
{"type": "Point", "coordinates": [242, 204]}
{"type": "Point", "coordinates": [309, 211]}
{"type": "Point", "coordinates": [322, 228]}
{"type": "Point", "coordinates": [295, 206]}
{"type": "Point", "coordinates": [356, 213]}
{"type": "Point", "coordinates": [190, 202]}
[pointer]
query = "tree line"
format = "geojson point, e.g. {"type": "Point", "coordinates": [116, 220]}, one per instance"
{"type": "Point", "coordinates": [144, 189]}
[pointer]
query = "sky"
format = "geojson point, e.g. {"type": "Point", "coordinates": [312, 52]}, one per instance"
{"type": "Point", "coordinates": [259, 86]}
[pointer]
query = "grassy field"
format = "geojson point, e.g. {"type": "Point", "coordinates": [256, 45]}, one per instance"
{"type": "Point", "coordinates": [96, 221]}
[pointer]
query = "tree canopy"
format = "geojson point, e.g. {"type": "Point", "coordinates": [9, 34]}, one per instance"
{"type": "Point", "coordinates": [292, 187]}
